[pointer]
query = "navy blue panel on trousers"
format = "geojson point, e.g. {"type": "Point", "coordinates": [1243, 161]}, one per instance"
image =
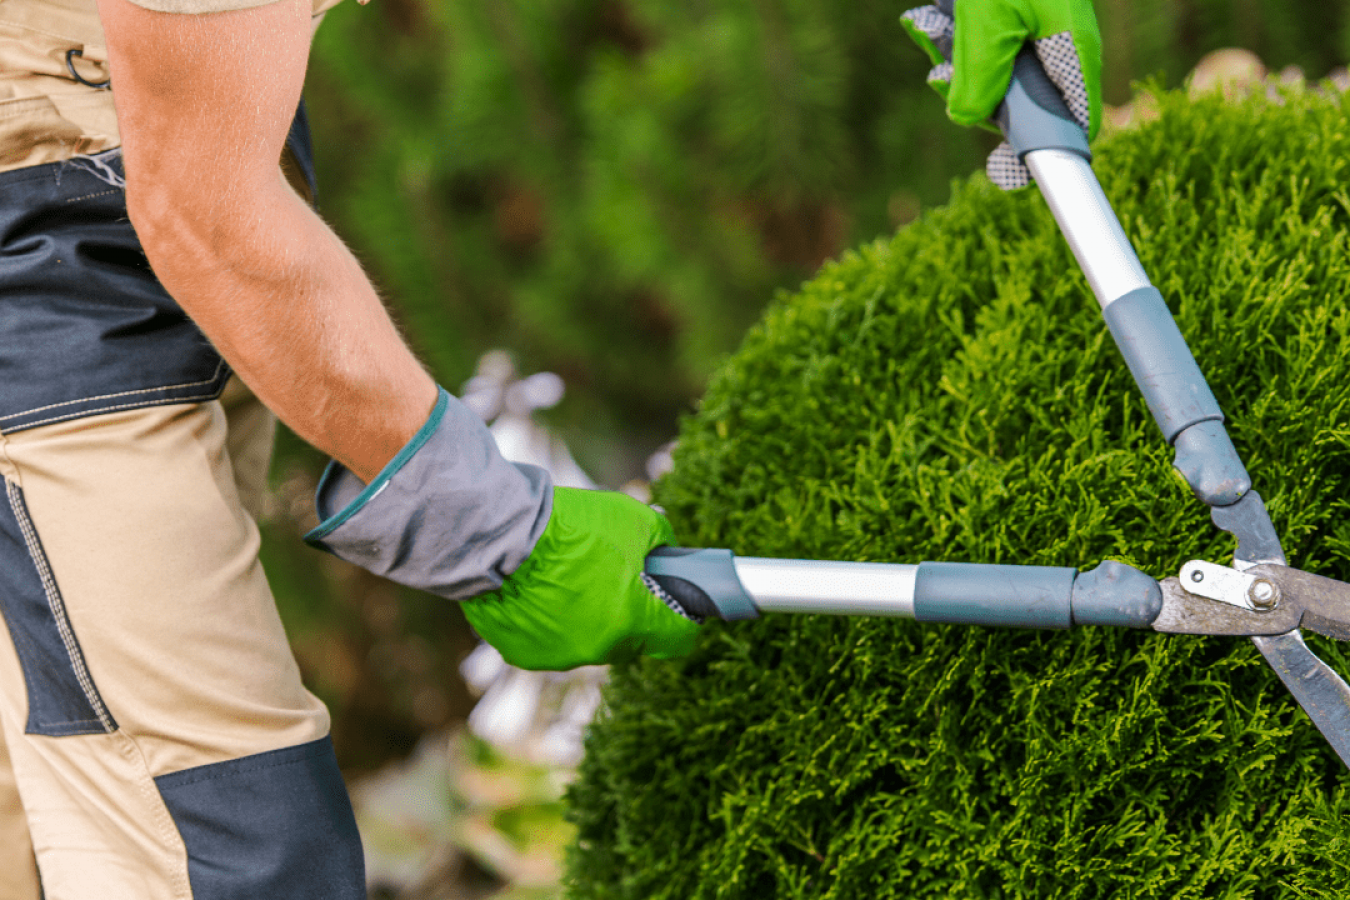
{"type": "Point", "coordinates": [278, 824]}
{"type": "Point", "coordinates": [62, 698]}
{"type": "Point", "coordinates": [85, 326]}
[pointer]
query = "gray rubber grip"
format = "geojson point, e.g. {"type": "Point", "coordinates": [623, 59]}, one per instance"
{"type": "Point", "coordinates": [1033, 115]}
{"type": "Point", "coordinates": [1209, 462]}
{"type": "Point", "coordinates": [1160, 361]}
{"type": "Point", "coordinates": [702, 581]}
{"type": "Point", "coordinates": [1116, 594]}
{"type": "Point", "coordinates": [1012, 596]}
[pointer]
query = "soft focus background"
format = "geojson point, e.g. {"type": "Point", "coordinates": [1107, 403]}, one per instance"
{"type": "Point", "coordinates": [610, 190]}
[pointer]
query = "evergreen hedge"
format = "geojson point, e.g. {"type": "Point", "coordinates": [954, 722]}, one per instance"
{"type": "Point", "coordinates": [952, 394]}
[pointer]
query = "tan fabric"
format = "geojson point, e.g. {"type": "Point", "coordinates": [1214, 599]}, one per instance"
{"type": "Point", "coordinates": [249, 437]}
{"type": "Point", "coordinates": [142, 521]}
{"type": "Point", "coordinates": [199, 6]}
{"type": "Point", "coordinates": [46, 115]}
{"type": "Point", "coordinates": [19, 878]}
{"type": "Point", "coordinates": [210, 6]}
{"type": "Point", "coordinates": [98, 823]}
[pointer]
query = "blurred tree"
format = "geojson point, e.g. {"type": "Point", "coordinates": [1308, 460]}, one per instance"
{"type": "Point", "coordinates": [1144, 38]}
{"type": "Point", "coordinates": [613, 190]}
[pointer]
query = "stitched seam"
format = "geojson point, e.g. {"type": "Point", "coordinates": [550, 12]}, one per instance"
{"type": "Point", "coordinates": [168, 387]}
{"type": "Point", "coordinates": [170, 838]}
{"type": "Point", "coordinates": [240, 770]}
{"type": "Point", "coordinates": [6, 181]}
{"type": "Point", "coordinates": [58, 608]}
{"type": "Point", "coordinates": [28, 650]}
{"type": "Point", "coordinates": [90, 196]}
{"type": "Point", "coordinates": [70, 722]}
{"type": "Point", "coordinates": [99, 410]}
{"type": "Point", "coordinates": [87, 729]}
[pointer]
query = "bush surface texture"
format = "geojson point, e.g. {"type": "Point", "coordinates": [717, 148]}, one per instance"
{"type": "Point", "coordinates": [953, 394]}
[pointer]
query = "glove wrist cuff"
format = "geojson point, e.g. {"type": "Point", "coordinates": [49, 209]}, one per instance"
{"type": "Point", "coordinates": [448, 514]}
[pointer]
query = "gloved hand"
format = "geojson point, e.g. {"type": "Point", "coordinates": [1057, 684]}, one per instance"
{"type": "Point", "coordinates": [973, 55]}
{"type": "Point", "coordinates": [582, 597]}
{"type": "Point", "coordinates": [553, 577]}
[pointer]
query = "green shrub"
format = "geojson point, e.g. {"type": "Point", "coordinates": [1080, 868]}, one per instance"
{"type": "Point", "coordinates": [953, 394]}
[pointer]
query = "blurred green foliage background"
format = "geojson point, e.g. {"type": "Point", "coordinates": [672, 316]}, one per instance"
{"type": "Point", "coordinates": [613, 190]}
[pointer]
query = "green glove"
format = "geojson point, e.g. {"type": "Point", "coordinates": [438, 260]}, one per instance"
{"type": "Point", "coordinates": [973, 57]}
{"type": "Point", "coordinates": [582, 598]}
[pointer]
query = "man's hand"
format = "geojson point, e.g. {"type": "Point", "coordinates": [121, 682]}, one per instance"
{"type": "Point", "coordinates": [582, 598]}
{"type": "Point", "coordinates": [973, 55]}
{"type": "Point", "coordinates": [204, 103]}
{"type": "Point", "coordinates": [552, 577]}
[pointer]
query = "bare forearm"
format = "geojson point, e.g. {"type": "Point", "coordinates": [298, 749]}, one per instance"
{"type": "Point", "coordinates": [272, 287]}
{"type": "Point", "coordinates": [290, 309]}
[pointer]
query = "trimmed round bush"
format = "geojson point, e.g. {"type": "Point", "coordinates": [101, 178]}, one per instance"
{"type": "Point", "coordinates": [953, 394]}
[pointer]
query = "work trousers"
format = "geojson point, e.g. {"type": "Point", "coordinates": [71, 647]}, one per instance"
{"type": "Point", "coordinates": [156, 741]}
{"type": "Point", "coordinates": [159, 740]}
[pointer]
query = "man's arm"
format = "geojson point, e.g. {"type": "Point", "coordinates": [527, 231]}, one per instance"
{"type": "Point", "coordinates": [552, 578]}
{"type": "Point", "coordinates": [204, 103]}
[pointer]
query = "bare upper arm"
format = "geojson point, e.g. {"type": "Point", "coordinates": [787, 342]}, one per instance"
{"type": "Point", "coordinates": [204, 102]}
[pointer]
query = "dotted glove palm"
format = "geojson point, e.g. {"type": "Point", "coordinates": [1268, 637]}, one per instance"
{"type": "Point", "coordinates": [582, 597]}
{"type": "Point", "coordinates": [973, 48]}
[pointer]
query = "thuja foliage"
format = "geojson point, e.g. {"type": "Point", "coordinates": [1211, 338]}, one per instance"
{"type": "Point", "coordinates": [952, 394]}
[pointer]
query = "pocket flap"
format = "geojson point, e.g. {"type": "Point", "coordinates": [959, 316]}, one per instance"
{"type": "Point", "coordinates": [32, 132]}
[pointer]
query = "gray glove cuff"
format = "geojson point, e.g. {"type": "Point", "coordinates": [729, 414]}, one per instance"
{"type": "Point", "coordinates": [448, 514]}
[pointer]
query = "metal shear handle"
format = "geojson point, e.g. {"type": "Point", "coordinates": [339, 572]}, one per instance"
{"type": "Point", "coordinates": [718, 584]}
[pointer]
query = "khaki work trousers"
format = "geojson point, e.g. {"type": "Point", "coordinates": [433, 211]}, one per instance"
{"type": "Point", "coordinates": [138, 526]}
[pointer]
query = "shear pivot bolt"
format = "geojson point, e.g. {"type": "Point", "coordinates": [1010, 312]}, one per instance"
{"type": "Point", "coordinates": [1263, 594]}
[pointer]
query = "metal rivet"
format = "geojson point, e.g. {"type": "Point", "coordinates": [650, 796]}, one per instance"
{"type": "Point", "coordinates": [1263, 594]}
{"type": "Point", "coordinates": [1197, 576]}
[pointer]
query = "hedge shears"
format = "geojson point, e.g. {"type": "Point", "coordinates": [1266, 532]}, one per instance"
{"type": "Point", "coordinates": [1257, 596]}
